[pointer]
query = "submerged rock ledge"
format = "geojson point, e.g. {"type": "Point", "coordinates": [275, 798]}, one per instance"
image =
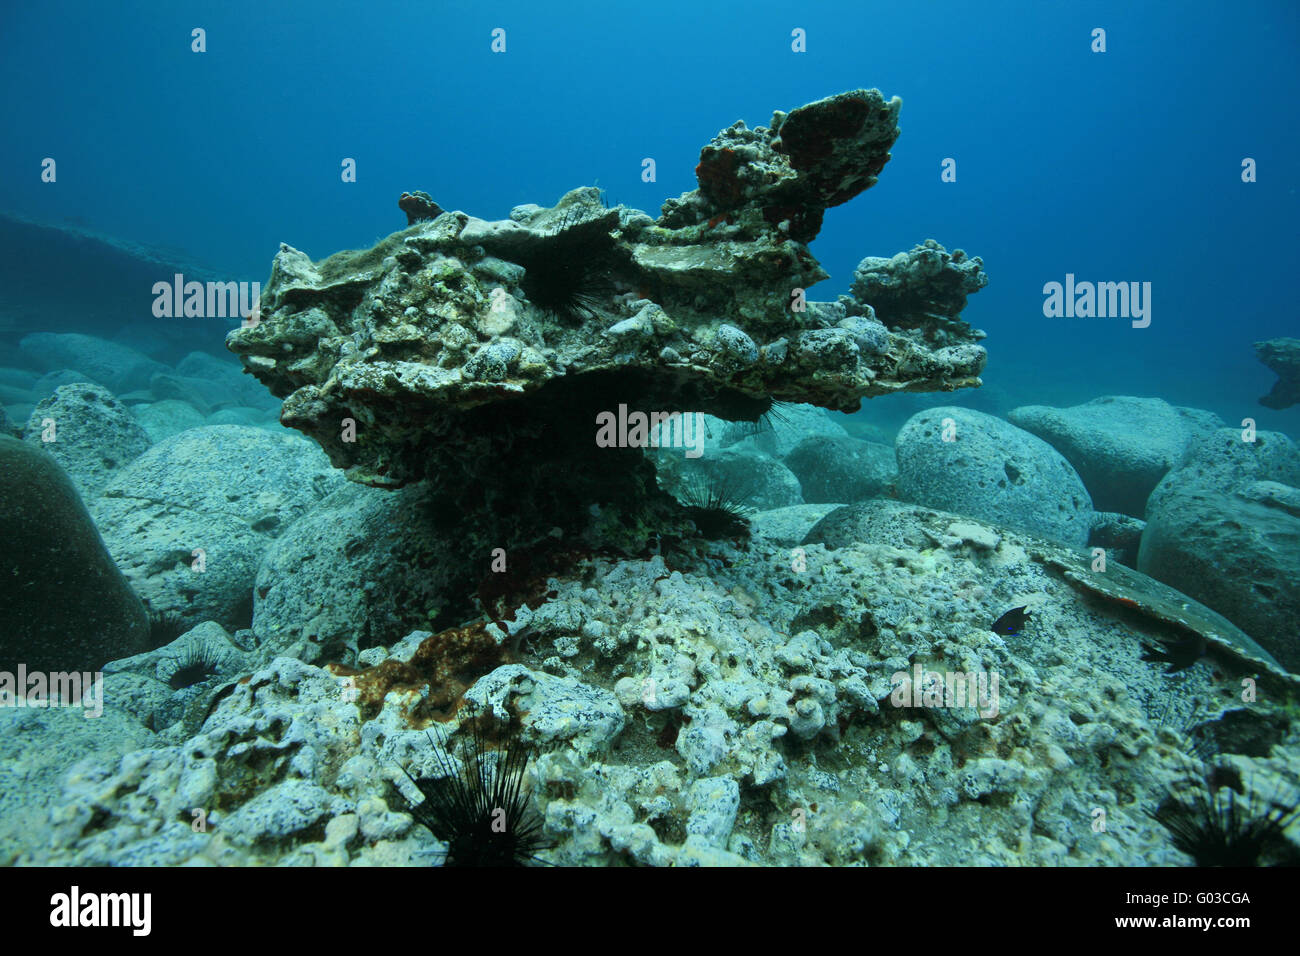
{"type": "Point", "coordinates": [458, 341]}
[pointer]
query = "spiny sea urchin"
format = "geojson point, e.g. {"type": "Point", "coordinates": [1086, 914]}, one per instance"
{"type": "Point", "coordinates": [717, 505]}
{"type": "Point", "coordinates": [481, 811]}
{"type": "Point", "coordinates": [571, 272]}
{"type": "Point", "coordinates": [165, 627]}
{"type": "Point", "coordinates": [1219, 827]}
{"type": "Point", "coordinates": [198, 662]}
{"type": "Point", "coordinates": [766, 420]}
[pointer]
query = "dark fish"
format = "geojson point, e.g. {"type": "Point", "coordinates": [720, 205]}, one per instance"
{"type": "Point", "coordinates": [1179, 655]}
{"type": "Point", "coordinates": [1012, 621]}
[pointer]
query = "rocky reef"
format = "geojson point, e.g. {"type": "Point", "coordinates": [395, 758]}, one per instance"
{"type": "Point", "coordinates": [1282, 356]}
{"type": "Point", "coordinates": [479, 354]}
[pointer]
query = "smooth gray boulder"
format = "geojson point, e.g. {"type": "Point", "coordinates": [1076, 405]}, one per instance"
{"type": "Point", "coordinates": [119, 368]}
{"type": "Point", "coordinates": [785, 427]}
{"type": "Point", "coordinates": [1225, 529]}
{"type": "Point", "coordinates": [788, 526]}
{"type": "Point", "coordinates": [739, 473]}
{"type": "Point", "coordinates": [164, 419]}
{"type": "Point", "coordinates": [879, 521]}
{"type": "Point", "coordinates": [45, 385]}
{"type": "Point", "coordinates": [94, 434]}
{"type": "Point", "coordinates": [66, 606]}
{"type": "Point", "coordinates": [1119, 534]}
{"type": "Point", "coordinates": [1120, 445]}
{"type": "Point", "coordinates": [361, 569]}
{"type": "Point", "coordinates": [18, 378]}
{"type": "Point", "coordinates": [228, 375]}
{"type": "Point", "coordinates": [226, 491]}
{"type": "Point", "coordinates": [993, 471]}
{"type": "Point", "coordinates": [841, 470]}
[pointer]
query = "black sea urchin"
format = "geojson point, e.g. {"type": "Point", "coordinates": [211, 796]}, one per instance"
{"type": "Point", "coordinates": [481, 811]}
{"type": "Point", "coordinates": [165, 627]}
{"type": "Point", "coordinates": [200, 661]}
{"type": "Point", "coordinates": [571, 272]}
{"type": "Point", "coordinates": [716, 505]}
{"type": "Point", "coordinates": [1218, 828]}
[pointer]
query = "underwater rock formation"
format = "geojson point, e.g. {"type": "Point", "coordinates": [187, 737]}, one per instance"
{"type": "Point", "coordinates": [1120, 445]}
{"type": "Point", "coordinates": [66, 606]}
{"type": "Point", "coordinates": [692, 714]}
{"type": "Point", "coordinates": [418, 207]}
{"type": "Point", "coordinates": [117, 367]}
{"type": "Point", "coordinates": [464, 350]}
{"type": "Point", "coordinates": [923, 289]}
{"type": "Point", "coordinates": [978, 465]}
{"type": "Point", "coordinates": [842, 470]}
{"type": "Point", "coordinates": [188, 531]}
{"type": "Point", "coordinates": [95, 435]}
{"type": "Point", "coordinates": [1225, 529]}
{"type": "Point", "coordinates": [1282, 356]}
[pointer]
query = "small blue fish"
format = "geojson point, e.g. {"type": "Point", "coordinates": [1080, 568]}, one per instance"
{"type": "Point", "coordinates": [1012, 621]}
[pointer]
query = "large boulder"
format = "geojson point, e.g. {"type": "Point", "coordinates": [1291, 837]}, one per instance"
{"type": "Point", "coordinates": [841, 470]}
{"type": "Point", "coordinates": [94, 435]}
{"type": "Point", "coordinates": [119, 368]}
{"type": "Point", "coordinates": [225, 491]}
{"type": "Point", "coordinates": [1120, 445]}
{"type": "Point", "coordinates": [993, 471]}
{"type": "Point", "coordinates": [363, 568]}
{"type": "Point", "coordinates": [228, 375]}
{"type": "Point", "coordinates": [738, 474]}
{"type": "Point", "coordinates": [1225, 529]}
{"type": "Point", "coordinates": [167, 418]}
{"type": "Point", "coordinates": [66, 606]}
{"type": "Point", "coordinates": [786, 426]}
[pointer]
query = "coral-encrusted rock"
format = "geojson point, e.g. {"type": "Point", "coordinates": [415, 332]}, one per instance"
{"type": "Point", "coordinates": [922, 289]}
{"type": "Point", "coordinates": [1282, 356]}
{"type": "Point", "coordinates": [817, 156]}
{"type": "Point", "coordinates": [459, 345]}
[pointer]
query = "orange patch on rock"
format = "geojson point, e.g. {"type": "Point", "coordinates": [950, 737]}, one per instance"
{"type": "Point", "coordinates": [447, 663]}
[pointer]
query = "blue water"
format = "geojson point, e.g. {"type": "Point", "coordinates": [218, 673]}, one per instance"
{"type": "Point", "coordinates": [1115, 166]}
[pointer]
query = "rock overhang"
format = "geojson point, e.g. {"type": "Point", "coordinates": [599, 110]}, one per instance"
{"type": "Point", "coordinates": [702, 309]}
